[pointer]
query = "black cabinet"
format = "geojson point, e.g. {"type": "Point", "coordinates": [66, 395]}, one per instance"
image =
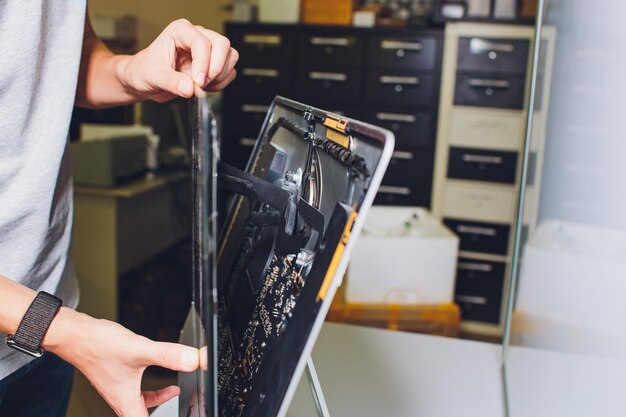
{"type": "Point", "coordinates": [387, 77]}
{"type": "Point", "coordinates": [479, 287]}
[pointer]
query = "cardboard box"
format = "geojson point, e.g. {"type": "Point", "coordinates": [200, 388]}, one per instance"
{"type": "Point", "coordinates": [571, 289]}
{"type": "Point", "coordinates": [327, 12]}
{"type": "Point", "coordinates": [279, 11]}
{"type": "Point", "coordinates": [404, 256]}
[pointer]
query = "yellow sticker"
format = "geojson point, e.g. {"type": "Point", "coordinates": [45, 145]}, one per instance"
{"type": "Point", "coordinates": [334, 263]}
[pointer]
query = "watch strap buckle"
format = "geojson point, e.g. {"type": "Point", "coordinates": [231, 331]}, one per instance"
{"type": "Point", "coordinates": [14, 345]}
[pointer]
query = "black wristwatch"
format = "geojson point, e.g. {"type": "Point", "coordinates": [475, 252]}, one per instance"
{"type": "Point", "coordinates": [34, 325]}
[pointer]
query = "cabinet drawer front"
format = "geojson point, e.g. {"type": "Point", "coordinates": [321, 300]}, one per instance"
{"type": "Point", "coordinates": [479, 203]}
{"type": "Point", "coordinates": [261, 82]}
{"type": "Point", "coordinates": [394, 88]}
{"type": "Point", "coordinates": [503, 130]}
{"type": "Point", "coordinates": [479, 289]}
{"type": "Point", "coordinates": [403, 195]}
{"type": "Point", "coordinates": [336, 86]}
{"type": "Point", "coordinates": [236, 149]}
{"type": "Point", "coordinates": [494, 55]}
{"type": "Point", "coordinates": [261, 47]}
{"type": "Point", "coordinates": [247, 118]}
{"type": "Point", "coordinates": [482, 165]}
{"type": "Point", "coordinates": [409, 176]}
{"type": "Point", "coordinates": [409, 127]}
{"type": "Point", "coordinates": [338, 50]}
{"type": "Point", "coordinates": [481, 237]}
{"type": "Point", "coordinates": [484, 90]}
{"type": "Point", "coordinates": [417, 52]}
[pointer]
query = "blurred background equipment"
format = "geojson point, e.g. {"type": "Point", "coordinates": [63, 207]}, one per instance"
{"type": "Point", "coordinates": [109, 161]}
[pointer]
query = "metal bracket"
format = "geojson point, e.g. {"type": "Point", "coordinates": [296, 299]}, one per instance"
{"type": "Point", "coordinates": [316, 389]}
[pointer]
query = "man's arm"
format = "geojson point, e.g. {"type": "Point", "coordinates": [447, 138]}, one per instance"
{"type": "Point", "coordinates": [183, 60]}
{"type": "Point", "coordinates": [110, 356]}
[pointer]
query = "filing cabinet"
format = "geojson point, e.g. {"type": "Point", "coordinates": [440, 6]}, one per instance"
{"type": "Point", "coordinates": [478, 290]}
{"type": "Point", "coordinates": [389, 77]}
{"type": "Point", "coordinates": [480, 145]}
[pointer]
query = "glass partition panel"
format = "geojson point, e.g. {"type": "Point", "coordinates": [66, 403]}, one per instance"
{"type": "Point", "coordinates": [565, 352]}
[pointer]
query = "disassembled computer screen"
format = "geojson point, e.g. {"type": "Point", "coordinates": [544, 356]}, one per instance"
{"type": "Point", "coordinates": [288, 222]}
{"type": "Point", "coordinates": [284, 239]}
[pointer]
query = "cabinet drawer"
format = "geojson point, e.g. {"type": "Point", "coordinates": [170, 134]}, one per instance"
{"type": "Point", "coordinates": [416, 52]}
{"type": "Point", "coordinates": [403, 195]}
{"type": "Point", "coordinates": [484, 128]}
{"type": "Point", "coordinates": [409, 127]}
{"type": "Point", "coordinates": [484, 90]}
{"type": "Point", "coordinates": [336, 50]}
{"type": "Point", "coordinates": [348, 110]}
{"type": "Point", "coordinates": [263, 48]}
{"type": "Point", "coordinates": [247, 118]}
{"type": "Point", "coordinates": [261, 82]}
{"type": "Point", "coordinates": [493, 55]}
{"type": "Point", "coordinates": [236, 149]}
{"type": "Point", "coordinates": [408, 180]}
{"type": "Point", "coordinates": [482, 165]}
{"type": "Point", "coordinates": [394, 88]}
{"type": "Point", "coordinates": [479, 289]}
{"type": "Point", "coordinates": [336, 86]}
{"type": "Point", "coordinates": [410, 166]}
{"type": "Point", "coordinates": [488, 204]}
{"type": "Point", "coordinates": [481, 237]}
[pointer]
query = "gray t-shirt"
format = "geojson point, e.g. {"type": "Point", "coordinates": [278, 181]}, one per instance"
{"type": "Point", "coordinates": [40, 44]}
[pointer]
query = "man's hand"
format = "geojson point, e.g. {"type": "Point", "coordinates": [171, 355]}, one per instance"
{"type": "Point", "coordinates": [183, 61]}
{"type": "Point", "coordinates": [114, 359]}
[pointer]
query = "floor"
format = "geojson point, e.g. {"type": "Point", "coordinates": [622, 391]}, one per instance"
{"type": "Point", "coordinates": [86, 402]}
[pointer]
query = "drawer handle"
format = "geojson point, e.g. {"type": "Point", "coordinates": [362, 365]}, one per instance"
{"type": "Point", "coordinates": [258, 39]}
{"type": "Point", "coordinates": [260, 72]}
{"type": "Point", "coordinates": [473, 266]}
{"type": "Point", "coordinates": [396, 117]}
{"type": "Point", "coordinates": [478, 46]}
{"type": "Point", "coordinates": [389, 189]}
{"type": "Point", "coordinates": [485, 83]}
{"type": "Point", "coordinates": [483, 159]}
{"type": "Point", "coordinates": [319, 41]}
{"type": "Point", "coordinates": [328, 76]}
{"type": "Point", "coordinates": [389, 79]}
{"type": "Point", "coordinates": [404, 155]}
{"type": "Point", "coordinates": [472, 299]}
{"type": "Point", "coordinates": [247, 142]}
{"type": "Point", "coordinates": [254, 108]}
{"type": "Point", "coordinates": [474, 230]}
{"type": "Point", "coordinates": [408, 46]}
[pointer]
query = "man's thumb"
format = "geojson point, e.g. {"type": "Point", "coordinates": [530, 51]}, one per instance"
{"type": "Point", "coordinates": [175, 357]}
{"type": "Point", "coordinates": [175, 82]}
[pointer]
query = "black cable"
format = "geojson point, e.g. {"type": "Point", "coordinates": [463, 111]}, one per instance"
{"type": "Point", "coordinates": [338, 152]}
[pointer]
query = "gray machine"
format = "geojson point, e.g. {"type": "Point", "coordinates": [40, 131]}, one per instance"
{"type": "Point", "coordinates": [107, 162]}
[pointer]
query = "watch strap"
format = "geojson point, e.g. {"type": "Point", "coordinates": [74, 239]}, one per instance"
{"type": "Point", "coordinates": [35, 323]}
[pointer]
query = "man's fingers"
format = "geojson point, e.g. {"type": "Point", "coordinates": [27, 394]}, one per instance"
{"type": "Point", "coordinates": [231, 61]}
{"type": "Point", "coordinates": [219, 53]}
{"type": "Point", "coordinates": [173, 356]}
{"type": "Point", "coordinates": [187, 37]}
{"type": "Point", "coordinates": [223, 84]}
{"type": "Point", "coordinates": [156, 398]}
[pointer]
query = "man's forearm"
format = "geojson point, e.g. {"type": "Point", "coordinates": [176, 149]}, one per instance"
{"type": "Point", "coordinates": [100, 80]}
{"type": "Point", "coordinates": [17, 298]}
